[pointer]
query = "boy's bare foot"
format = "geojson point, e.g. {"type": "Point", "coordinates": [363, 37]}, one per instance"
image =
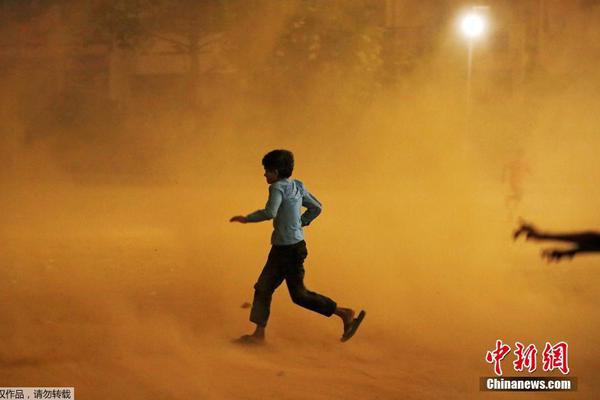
{"type": "Point", "coordinates": [350, 329]}
{"type": "Point", "coordinates": [347, 316]}
{"type": "Point", "coordinates": [351, 324]}
{"type": "Point", "coordinates": [258, 337]}
{"type": "Point", "coordinates": [250, 339]}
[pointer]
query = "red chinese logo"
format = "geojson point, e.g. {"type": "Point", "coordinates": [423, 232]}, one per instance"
{"type": "Point", "coordinates": [526, 357]}
{"type": "Point", "coordinates": [554, 357]}
{"type": "Point", "coordinates": [497, 355]}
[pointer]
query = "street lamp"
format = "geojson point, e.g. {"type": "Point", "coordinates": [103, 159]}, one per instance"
{"type": "Point", "coordinates": [473, 26]}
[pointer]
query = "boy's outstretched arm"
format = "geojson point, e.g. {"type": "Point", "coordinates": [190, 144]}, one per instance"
{"type": "Point", "coordinates": [269, 212]}
{"type": "Point", "coordinates": [313, 208]}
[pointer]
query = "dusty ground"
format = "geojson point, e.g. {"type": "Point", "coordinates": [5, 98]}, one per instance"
{"type": "Point", "coordinates": [135, 292]}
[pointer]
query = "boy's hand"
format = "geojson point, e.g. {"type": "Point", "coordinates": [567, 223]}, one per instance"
{"type": "Point", "coordinates": [239, 218]}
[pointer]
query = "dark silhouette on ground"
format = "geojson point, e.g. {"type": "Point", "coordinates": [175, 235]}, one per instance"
{"type": "Point", "coordinates": [584, 242]}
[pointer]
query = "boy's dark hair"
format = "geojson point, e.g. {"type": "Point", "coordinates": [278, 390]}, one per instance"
{"type": "Point", "coordinates": [280, 160]}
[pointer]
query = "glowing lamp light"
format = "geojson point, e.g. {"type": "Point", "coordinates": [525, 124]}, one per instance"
{"type": "Point", "coordinates": [472, 25]}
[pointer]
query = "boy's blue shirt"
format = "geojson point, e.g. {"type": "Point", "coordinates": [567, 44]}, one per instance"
{"type": "Point", "coordinates": [286, 198]}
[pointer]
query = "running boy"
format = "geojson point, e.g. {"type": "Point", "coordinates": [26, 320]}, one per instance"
{"type": "Point", "coordinates": [288, 251]}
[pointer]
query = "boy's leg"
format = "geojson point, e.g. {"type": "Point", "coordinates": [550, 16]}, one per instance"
{"type": "Point", "coordinates": [270, 278]}
{"type": "Point", "coordinates": [294, 277]}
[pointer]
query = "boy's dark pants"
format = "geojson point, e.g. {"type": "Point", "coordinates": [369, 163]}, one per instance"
{"type": "Point", "coordinates": [286, 262]}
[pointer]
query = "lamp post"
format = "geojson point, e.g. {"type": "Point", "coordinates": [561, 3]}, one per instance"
{"type": "Point", "coordinates": [472, 26]}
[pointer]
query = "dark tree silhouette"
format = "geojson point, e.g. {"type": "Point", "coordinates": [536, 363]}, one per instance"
{"type": "Point", "coordinates": [190, 27]}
